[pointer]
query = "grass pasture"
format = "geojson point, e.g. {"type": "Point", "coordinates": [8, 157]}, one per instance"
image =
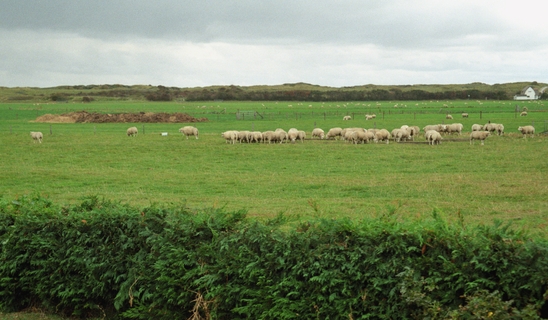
{"type": "Point", "coordinates": [505, 179]}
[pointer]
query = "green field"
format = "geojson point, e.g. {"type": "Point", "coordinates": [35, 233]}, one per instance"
{"type": "Point", "coordinates": [505, 179]}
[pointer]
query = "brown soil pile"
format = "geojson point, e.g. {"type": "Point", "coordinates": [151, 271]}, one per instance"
{"type": "Point", "coordinates": [144, 117]}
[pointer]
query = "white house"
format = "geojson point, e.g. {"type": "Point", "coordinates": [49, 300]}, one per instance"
{"type": "Point", "coordinates": [528, 93]}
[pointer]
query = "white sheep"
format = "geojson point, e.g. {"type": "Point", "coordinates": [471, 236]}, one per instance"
{"type": "Point", "coordinates": [244, 135]}
{"type": "Point", "coordinates": [256, 136]}
{"type": "Point", "coordinates": [479, 135]}
{"type": "Point", "coordinates": [382, 135]}
{"type": "Point", "coordinates": [292, 135]}
{"type": "Point", "coordinates": [454, 127]}
{"type": "Point", "coordinates": [449, 117]}
{"type": "Point", "coordinates": [477, 127]}
{"type": "Point", "coordinates": [37, 136]}
{"type": "Point", "coordinates": [437, 127]}
{"type": "Point", "coordinates": [333, 133]}
{"type": "Point", "coordinates": [132, 131]}
{"type": "Point", "coordinates": [317, 132]}
{"type": "Point", "coordinates": [189, 131]}
{"type": "Point", "coordinates": [465, 115]}
{"type": "Point", "coordinates": [369, 117]}
{"type": "Point", "coordinates": [525, 130]}
{"type": "Point", "coordinates": [357, 136]}
{"type": "Point", "coordinates": [499, 128]}
{"type": "Point", "coordinates": [347, 118]}
{"type": "Point", "coordinates": [230, 136]}
{"type": "Point", "coordinates": [301, 136]}
{"type": "Point", "coordinates": [281, 135]}
{"type": "Point", "coordinates": [433, 137]}
{"type": "Point", "coordinates": [269, 136]}
{"type": "Point", "coordinates": [523, 114]}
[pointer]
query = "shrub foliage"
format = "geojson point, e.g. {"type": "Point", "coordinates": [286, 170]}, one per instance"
{"type": "Point", "coordinates": [102, 258]}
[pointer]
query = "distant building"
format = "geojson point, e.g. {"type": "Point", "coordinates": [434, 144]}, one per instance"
{"type": "Point", "coordinates": [528, 93]}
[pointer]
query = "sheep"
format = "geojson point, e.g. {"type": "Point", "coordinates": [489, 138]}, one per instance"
{"type": "Point", "coordinates": [455, 127]}
{"type": "Point", "coordinates": [465, 115]}
{"type": "Point", "coordinates": [477, 127]}
{"type": "Point", "coordinates": [370, 135]}
{"type": "Point", "coordinates": [399, 134]}
{"type": "Point", "coordinates": [347, 118]}
{"type": "Point", "coordinates": [256, 136]}
{"type": "Point", "coordinates": [449, 117]}
{"type": "Point", "coordinates": [230, 136]}
{"type": "Point", "coordinates": [499, 128]}
{"type": "Point", "coordinates": [132, 132]}
{"type": "Point", "coordinates": [346, 132]}
{"type": "Point", "coordinates": [491, 127]}
{"type": "Point", "coordinates": [433, 137]}
{"type": "Point", "coordinates": [37, 136]}
{"type": "Point", "coordinates": [281, 135]}
{"type": "Point", "coordinates": [437, 127]}
{"type": "Point", "coordinates": [357, 136]}
{"type": "Point", "coordinates": [244, 136]}
{"type": "Point", "coordinates": [523, 114]}
{"type": "Point", "coordinates": [317, 132]}
{"type": "Point", "coordinates": [301, 135]}
{"type": "Point", "coordinates": [189, 131]}
{"type": "Point", "coordinates": [479, 135]}
{"type": "Point", "coordinates": [382, 135]}
{"type": "Point", "coordinates": [292, 135]}
{"type": "Point", "coordinates": [525, 130]}
{"type": "Point", "coordinates": [415, 130]}
{"type": "Point", "coordinates": [369, 117]}
{"type": "Point", "coordinates": [269, 136]}
{"type": "Point", "coordinates": [333, 133]}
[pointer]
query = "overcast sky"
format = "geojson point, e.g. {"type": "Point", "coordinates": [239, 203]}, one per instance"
{"type": "Point", "coordinates": [253, 42]}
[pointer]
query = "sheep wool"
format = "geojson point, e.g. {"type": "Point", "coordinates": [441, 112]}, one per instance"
{"type": "Point", "coordinates": [37, 136]}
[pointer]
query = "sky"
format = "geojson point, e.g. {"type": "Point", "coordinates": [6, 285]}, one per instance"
{"type": "Point", "coordinates": [334, 43]}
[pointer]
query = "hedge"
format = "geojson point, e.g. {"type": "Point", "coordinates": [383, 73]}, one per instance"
{"type": "Point", "coordinates": [111, 260]}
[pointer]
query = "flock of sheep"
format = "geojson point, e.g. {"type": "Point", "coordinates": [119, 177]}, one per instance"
{"type": "Point", "coordinates": [432, 133]}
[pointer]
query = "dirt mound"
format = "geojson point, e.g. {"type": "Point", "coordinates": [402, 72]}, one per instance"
{"type": "Point", "coordinates": [144, 117]}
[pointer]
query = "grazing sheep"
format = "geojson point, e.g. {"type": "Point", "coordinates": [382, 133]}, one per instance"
{"type": "Point", "coordinates": [230, 136]}
{"type": "Point", "coordinates": [415, 131]}
{"type": "Point", "coordinates": [479, 135]}
{"type": "Point", "coordinates": [333, 133]}
{"type": "Point", "coordinates": [465, 115]}
{"type": "Point", "coordinates": [281, 135]}
{"type": "Point", "coordinates": [477, 127]}
{"type": "Point", "coordinates": [369, 117]}
{"type": "Point", "coordinates": [525, 130]}
{"type": "Point", "coordinates": [317, 132]}
{"type": "Point", "coordinates": [358, 136]}
{"type": "Point", "coordinates": [37, 136]}
{"type": "Point", "coordinates": [449, 117]}
{"type": "Point", "coordinates": [491, 127]}
{"type": "Point", "coordinates": [523, 114]}
{"type": "Point", "coordinates": [269, 136]}
{"type": "Point", "coordinates": [382, 135]}
{"type": "Point", "coordinates": [346, 132]}
{"type": "Point", "coordinates": [401, 133]}
{"type": "Point", "coordinates": [433, 137]}
{"type": "Point", "coordinates": [455, 127]}
{"type": "Point", "coordinates": [499, 128]}
{"type": "Point", "coordinates": [244, 136]}
{"type": "Point", "coordinates": [524, 109]}
{"type": "Point", "coordinates": [292, 135]}
{"type": "Point", "coordinates": [256, 136]}
{"type": "Point", "coordinates": [347, 118]}
{"type": "Point", "coordinates": [301, 136]}
{"type": "Point", "coordinates": [370, 135]}
{"type": "Point", "coordinates": [189, 131]}
{"type": "Point", "coordinates": [132, 131]}
{"type": "Point", "coordinates": [437, 127]}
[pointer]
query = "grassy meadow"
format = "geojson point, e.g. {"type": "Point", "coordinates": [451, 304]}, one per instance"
{"type": "Point", "coordinates": [506, 179]}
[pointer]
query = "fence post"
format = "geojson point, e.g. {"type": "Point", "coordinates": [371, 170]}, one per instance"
{"type": "Point", "coordinates": [50, 132]}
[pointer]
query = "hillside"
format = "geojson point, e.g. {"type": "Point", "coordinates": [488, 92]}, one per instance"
{"type": "Point", "coordinates": [285, 92]}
